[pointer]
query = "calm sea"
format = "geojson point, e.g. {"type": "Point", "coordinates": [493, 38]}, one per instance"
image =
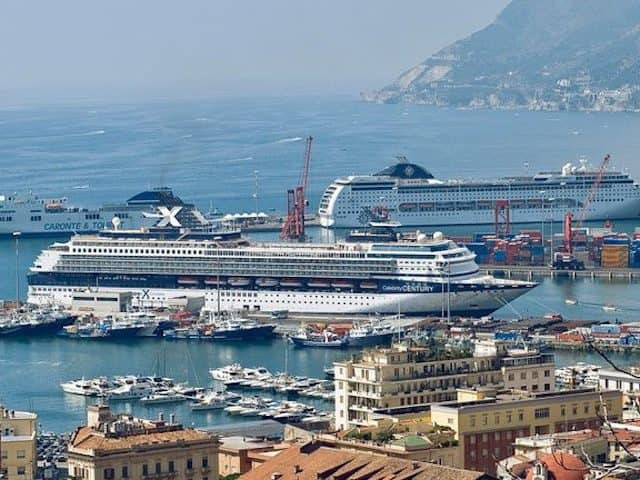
{"type": "Point", "coordinates": [220, 153]}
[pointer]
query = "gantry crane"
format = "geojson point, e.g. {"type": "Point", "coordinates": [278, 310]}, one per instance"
{"type": "Point", "coordinates": [293, 228]}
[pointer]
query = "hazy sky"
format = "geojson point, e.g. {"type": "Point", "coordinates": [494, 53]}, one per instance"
{"type": "Point", "coordinates": [196, 47]}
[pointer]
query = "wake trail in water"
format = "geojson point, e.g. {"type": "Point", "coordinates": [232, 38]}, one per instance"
{"type": "Point", "coordinates": [288, 140]}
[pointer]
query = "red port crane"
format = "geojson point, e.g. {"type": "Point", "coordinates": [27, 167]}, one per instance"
{"type": "Point", "coordinates": [293, 228]}
{"type": "Point", "coordinates": [593, 190]}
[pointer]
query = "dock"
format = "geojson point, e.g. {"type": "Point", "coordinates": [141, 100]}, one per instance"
{"type": "Point", "coordinates": [530, 272]}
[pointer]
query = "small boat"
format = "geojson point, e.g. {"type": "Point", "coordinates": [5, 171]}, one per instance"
{"type": "Point", "coordinates": [290, 283]}
{"type": "Point", "coordinates": [609, 308]}
{"type": "Point", "coordinates": [325, 339]}
{"type": "Point", "coordinates": [267, 282]}
{"type": "Point", "coordinates": [342, 284]}
{"type": "Point", "coordinates": [211, 401]}
{"type": "Point", "coordinates": [214, 281]}
{"type": "Point", "coordinates": [162, 397]}
{"type": "Point", "coordinates": [239, 281]}
{"type": "Point", "coordinates": [279, 314]}
{"type": "Point", "coordinates": [570, 301]}
{"type": "Point", "coordinates": [188, 281]}
{"type": "Point", "coordinates": [330, 372]}
{"type": "Point", "coordinates": [318, 283]}
{"type": "Point", "coordinates": [368, 285]}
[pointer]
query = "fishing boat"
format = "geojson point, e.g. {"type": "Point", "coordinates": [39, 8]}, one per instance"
{"type": "Point", "coordinates": [609, 308]}
{"type": "Point", "coordinates": [570, 301]}
{"type": "Point", "coordinates": [324, 339]}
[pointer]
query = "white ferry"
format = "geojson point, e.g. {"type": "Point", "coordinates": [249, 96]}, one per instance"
{"type": "Point", "coordinates": [412, 196]}
{"type": "Point", "coordinates": [34, 216]}
{"type": "Point", "coordinates": [422, 277]}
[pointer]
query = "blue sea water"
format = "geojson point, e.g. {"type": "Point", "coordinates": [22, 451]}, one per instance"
{"type": "Point", "coordinates": [211, 151]}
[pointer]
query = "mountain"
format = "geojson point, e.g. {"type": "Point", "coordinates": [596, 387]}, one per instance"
{"type": "Point", "coordinates": [537, 54]}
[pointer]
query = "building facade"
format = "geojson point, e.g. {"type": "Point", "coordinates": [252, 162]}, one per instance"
{"type": "Point", "coordinates": [18, 458]}
{"type": "Point", "coordinates": [395, 378]}
{"type": "Point", "coordinates": [120, 447]}
{"type": "Point", "coordinates": [486, 429]}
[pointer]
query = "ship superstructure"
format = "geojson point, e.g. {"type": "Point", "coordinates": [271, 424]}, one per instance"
{"type": "Point", "coordinates": [32, 215]}
{"type": "Point", "coordinates": [411, 195]}
{"type": "Point", "coordinates": [427, 276]}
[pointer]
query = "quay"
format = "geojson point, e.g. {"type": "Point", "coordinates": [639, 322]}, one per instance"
{"type": "Point", "coordinates": [530, 272]}
{"type": "Point", "coordinates": [584, 347]}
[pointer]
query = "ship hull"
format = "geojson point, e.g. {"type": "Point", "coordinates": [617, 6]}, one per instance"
{"type": "Point", "coordinates": [628, 209]}
{"type": "Point", "coordinates": [463, 299]}
{"type": "Point", "coordinates": [371, 340]}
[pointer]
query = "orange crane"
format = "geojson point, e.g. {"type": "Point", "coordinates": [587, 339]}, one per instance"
{"type": "Point", "coordinates": [593, 190]}
{"type": "Point", "coordinates": [293, 228]}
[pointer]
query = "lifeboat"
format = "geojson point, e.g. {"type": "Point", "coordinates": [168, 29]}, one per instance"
{"type": "Point", "coordinates": [188, 281]}
{"type": "Point", "coordinates": [342, 284]}
{"type": "Point", "coordinates": [318, 283]}
{"type": "Point", "coordinates": [369, 285]}
{"type": "Point", "coordinates": [290, 282]}
{"type": "Point", "coordinates": [267, 282]}
{"type": "Point", "coordinates": [239, 281]}
{"type": "Point", "coordinates": [214, 281]}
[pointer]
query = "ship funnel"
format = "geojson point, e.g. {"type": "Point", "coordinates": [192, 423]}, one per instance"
{"type": "Point", "coordinates": [116, 222]}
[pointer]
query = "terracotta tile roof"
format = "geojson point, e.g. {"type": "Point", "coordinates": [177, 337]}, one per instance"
{"type": "Point", "coordinates": [316, 462]}
{"type": "Point", "coordinates": [86, 438]}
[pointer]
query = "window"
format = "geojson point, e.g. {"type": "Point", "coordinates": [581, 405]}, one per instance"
{"type": "Point", "coordinates": [547, 373]}
{"type": "Point", "coordinates": [108, 474]}
{"type": "Point", "coordinates": [22, 470]}
{"type": "Point", "coordinates": [125, 472]}
{"type": "Point", "coordinates": [158, 467]}
{"type": "Point", "coordinates": [541, 412]}
{"type": "Point", "coordinates": [523, 375]}
{"type": "Point", "coordinates": [521, 416]}
{"type": "Point", "coordinates": [171, 466]}
{"type": "Point", "coordinates": [20, 454]}
{"type": "Point", "coordinates": [205, 462]}
{"type": "Point", "coordinates": [145, 469]}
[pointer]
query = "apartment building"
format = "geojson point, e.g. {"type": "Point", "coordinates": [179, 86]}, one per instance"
{"type": "Point", "coordinates": [392, 379]}
{"type": "Point", "coordinates": [487, 428]}
{"type": "Point", "coordinates": [18, 458]}
{"type": "Point", "coordinates": [121, 447]}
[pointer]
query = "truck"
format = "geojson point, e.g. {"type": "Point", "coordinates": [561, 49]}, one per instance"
{"type": "Point", "coordinates": [566, 261]}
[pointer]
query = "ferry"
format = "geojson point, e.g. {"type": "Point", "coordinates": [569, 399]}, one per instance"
{"type": "Point", "coordinates": [409, 194]}
{"type": "Point", "coordinates": [413, 277]}
{"type": "Point", "coordinates": [31, 215]}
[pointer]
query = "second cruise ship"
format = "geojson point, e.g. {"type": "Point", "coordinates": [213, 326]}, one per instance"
{"type": "Point", "coordinates": [427, 276]}
{"type": "Point", "coordinates": [409, 194]}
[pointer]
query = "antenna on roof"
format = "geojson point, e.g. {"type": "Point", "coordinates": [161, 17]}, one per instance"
{"type": "Point", "coordinates": [402, 159]}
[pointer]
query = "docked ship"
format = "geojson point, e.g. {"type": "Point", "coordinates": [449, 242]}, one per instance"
{"type": "Point", "coordinates": [409, 194]}
{"type": "Point", "coordinates": [230, 273]}
{"type": "Point", "coordinates": [34, 216]}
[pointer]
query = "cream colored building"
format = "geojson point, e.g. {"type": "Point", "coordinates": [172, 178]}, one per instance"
{"type": "Point", "coordinates": [120, 447]}
{"type": "Point", "coordinates": [487, 428]}
{"type": "Point", "coordinates": [18, 458]}
{"type": "Point", "coordinates": [404, 378]}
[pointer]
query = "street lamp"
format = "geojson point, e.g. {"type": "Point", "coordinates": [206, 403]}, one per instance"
{"type": "Point", "coordinates": [16, 236]}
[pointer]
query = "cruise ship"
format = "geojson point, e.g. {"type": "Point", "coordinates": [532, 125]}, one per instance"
{"type": "Point", "coordinates": [409, 194]}
{"type": "Point", "coordinates": [34, 216]}
{"type": "Point", "coordinates": [428, 276]}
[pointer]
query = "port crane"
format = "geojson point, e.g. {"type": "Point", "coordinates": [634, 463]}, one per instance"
{"type": "Point", "coordinates": [293, 227]}
{"type": "Point", "coordinates": [591, 195]}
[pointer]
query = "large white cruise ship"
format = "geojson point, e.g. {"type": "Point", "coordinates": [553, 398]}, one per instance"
{"type": "Point", "coordinates": [421, 277]}
{"type": "Point", "coordinates": [409, 194]}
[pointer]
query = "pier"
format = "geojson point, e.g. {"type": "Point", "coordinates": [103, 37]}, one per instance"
{"type": "Point", "coordinates": [530, 272]}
